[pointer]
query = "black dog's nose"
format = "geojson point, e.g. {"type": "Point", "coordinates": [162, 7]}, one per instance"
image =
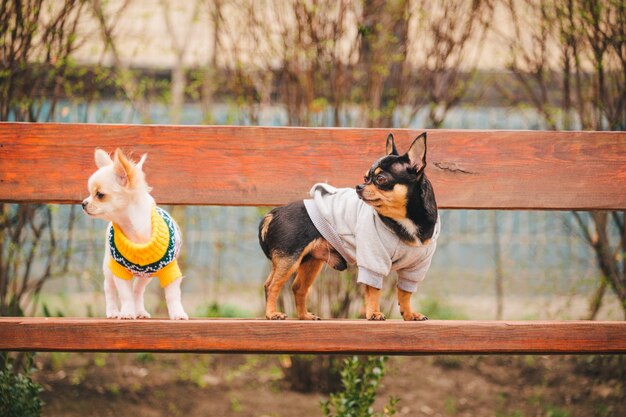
{"type": "Point", "coordinates": [84, 204]}
{"type": "Point", "coordinates": [359, 188]}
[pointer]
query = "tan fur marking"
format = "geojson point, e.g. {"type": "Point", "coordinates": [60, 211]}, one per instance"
{"type": "Point", "coordinates": [283, 268]}
{"type": "Point", "coordinates": [377, 171]}
{"type": "Point", "coordinates": [388, 203]}
{"type": "Point", "coordinates": [404, 301]}
{"type": "Point", "coordinates": [307, 272]}
{"type": "Point", "coordinates": [123, 166]}
{"type": "Point", "coordinates": [372, 306]}
{"type": "Point", "coordinates": [312, 246]}
{"type": "Point", "coordinates": [134, 174]}
{"type": "Point", "coordinates": [266, 224]}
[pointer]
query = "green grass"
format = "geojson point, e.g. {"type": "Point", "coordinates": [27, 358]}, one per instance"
{"type": "Point", "coordinates": [223, 311]}
{"type": "Point", "coordinates": [436, 309]}
{"type": "Point", "coordinates": [554, 411]}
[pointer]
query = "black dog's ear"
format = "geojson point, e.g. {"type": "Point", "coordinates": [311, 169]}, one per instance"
{"type": "Point", "coordinates": [417, 153]}
{"type": "Point", "coordinates": [391, 146]}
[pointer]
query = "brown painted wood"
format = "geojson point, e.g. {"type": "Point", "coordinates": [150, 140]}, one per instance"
{"type": "Point", "coordinates": [292, 336]}
{"type": "Point", "coordinates": [230, 165]}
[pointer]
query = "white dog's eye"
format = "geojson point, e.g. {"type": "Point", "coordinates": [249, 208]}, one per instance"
{"type": "Point", "coordinates": [99, 195]}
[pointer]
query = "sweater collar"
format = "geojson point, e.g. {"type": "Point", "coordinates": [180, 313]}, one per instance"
{"type": "Point", "coordinates": [148, 252]}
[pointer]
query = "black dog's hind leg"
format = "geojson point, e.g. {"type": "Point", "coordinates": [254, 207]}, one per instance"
{"type": "Point", "coordinates": [307, 272]}
{"type": "Point", "coordinates": [282, 269]}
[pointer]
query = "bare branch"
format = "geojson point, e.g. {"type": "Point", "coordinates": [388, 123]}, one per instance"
{"type": "Point", "coordinates": [583, 228]}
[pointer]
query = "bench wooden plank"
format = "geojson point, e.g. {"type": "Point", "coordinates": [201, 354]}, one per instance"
{"type": "Point", "coordinates": [332, 336]}
{"type": "Point", "coordinates": [232, 165]}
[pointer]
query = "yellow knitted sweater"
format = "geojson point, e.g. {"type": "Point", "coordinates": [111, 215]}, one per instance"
{"type": "Point", "coordinates": [157, 257]}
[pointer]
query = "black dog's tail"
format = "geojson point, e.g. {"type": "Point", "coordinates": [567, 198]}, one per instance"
{"type": "Point", "coordinates": [263, 228]}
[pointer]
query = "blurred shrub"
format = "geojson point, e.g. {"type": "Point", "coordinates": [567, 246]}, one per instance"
{"type": "Point", "coordinates": [19, 395]}
{"type": "Point", "coordinates": [360, 379]}
{"type": "Point", "coordinates": [334, 295]}
{"type": "Point", "coordinates": [601, 367]}
{"type": "Point", "coordinates": [312, 373]}
{"type": "Point", "coordinates": [145, 358]}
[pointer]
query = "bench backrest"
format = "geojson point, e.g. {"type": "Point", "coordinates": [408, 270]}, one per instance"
{"type": "Point", "coordinates": [266, 166]}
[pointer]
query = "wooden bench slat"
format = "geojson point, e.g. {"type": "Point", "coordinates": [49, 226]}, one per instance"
{"type": "Point", "coordinates": [233, 165]}
{"type": "Point", "coordinates": [332, 336]}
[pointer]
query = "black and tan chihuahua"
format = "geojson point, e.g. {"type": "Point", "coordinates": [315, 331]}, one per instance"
{"type": "Point", "coordinates": [388, 223]}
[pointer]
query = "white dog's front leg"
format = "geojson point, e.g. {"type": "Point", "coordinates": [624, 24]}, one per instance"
{"type": "Point", "coordinates": [110, 292]}
{"type": "Point", "coordinates": [139, 288]}
{"type": "Point", "coordinates": [173, 301]}
{"type": "Point", "coordinates": [125, 291]}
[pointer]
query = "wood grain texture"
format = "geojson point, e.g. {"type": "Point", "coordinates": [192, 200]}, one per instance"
{"type": "Point", "coordinates": [230, 165]}
{"type": "Point", "coordinates": [292, 336]}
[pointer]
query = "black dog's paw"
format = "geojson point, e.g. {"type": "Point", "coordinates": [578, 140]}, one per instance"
{"type": "Point", "coordinates": [277, 316]}
{"type": "Point", "coordinates": [309, 316]}
{"type": "Point", "coordinates": [414, 317]}
{"type": "Point", "coordinates": [377, 316]}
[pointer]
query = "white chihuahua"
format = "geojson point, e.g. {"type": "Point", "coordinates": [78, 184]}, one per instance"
{"type": "Point", "coordinates": [142, 239]}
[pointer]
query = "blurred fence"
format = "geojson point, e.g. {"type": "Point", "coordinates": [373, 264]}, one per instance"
{"type": "Point", "coordinates": [541, 251]}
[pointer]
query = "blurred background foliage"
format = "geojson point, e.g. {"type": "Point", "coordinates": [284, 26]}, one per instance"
{"type": "Point", "coordinates": [482, 64]}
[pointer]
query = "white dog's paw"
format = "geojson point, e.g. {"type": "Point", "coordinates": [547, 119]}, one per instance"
{"type": "Point", "coordinates": [143, 314]}
{"type": "Point", "coordinates": [113, 314]}
{"type": "Point", "coordinates": [179, 315]}
{"type": "Point", "coordinates": [127, 314]}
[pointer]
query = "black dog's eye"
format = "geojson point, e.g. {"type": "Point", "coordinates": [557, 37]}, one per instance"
{"type": "Point", "coordinates": [381, 180]}
{"type": "Point", "coordinates": [99, 195]}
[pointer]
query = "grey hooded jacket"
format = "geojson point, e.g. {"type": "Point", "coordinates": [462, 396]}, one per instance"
{"type": "Point", "coordinates": [356, 231]}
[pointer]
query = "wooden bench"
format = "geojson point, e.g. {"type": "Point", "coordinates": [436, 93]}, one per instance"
{"type": "Point", "coordinates": [263, 166]}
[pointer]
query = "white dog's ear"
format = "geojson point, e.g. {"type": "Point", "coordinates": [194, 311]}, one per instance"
{"type": "Point", "coordinates": [122, 167]}
{"type": "Point", "coordinates": [139, 165]}
{"type": "Point", "coordinates": [102, 158]}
